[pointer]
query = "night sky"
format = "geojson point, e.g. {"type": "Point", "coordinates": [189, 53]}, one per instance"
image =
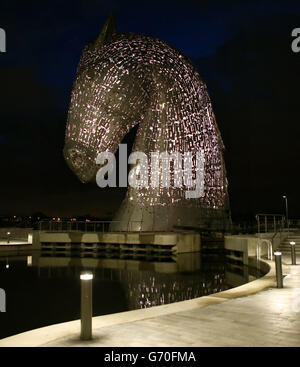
{"type": "Point", "coordinates": [241, 49]}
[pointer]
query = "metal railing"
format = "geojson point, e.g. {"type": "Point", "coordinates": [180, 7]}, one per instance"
{"type": "Point", "coordinates": [269, 222]}
{"type": "Point", "coordinates": [86, 226]}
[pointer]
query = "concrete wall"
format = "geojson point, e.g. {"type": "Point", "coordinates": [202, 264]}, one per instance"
{"type": "Point", "coordinates": [110, 237]}
{"type": "Point", "coordinates": [188, 242]}
{"type": "Point", "coordinates": [253, 245]}
{"type": "Point", "coordinates": [181, 242]}
{"type": "Point", "coordinates": [16, 233]}
{"type": "Point", "coordinates": [21, 241]}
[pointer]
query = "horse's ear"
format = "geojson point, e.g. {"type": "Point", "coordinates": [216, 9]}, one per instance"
{"type": "Point", "coordinates": [107, 31]}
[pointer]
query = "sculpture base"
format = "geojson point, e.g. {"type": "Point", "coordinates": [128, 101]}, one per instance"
{"type": "Point", "coordinates": [132, 217]}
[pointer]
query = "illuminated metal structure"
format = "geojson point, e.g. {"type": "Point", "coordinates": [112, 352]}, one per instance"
{"type": "Point", "coordinates": [128, 79]}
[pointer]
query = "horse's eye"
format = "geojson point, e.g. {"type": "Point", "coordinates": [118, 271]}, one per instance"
{"type": "Point", "coordinates": [89, 74]}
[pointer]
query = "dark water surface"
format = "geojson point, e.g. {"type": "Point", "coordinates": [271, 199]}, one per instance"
{"type": "Point", "coordinates": [43, 290]}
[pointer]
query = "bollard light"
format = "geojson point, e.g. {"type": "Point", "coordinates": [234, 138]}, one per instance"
{"type": "Point", "coordinates": [8, 234]}
{"type": "Point", "coordinates": [86, 276]}
{"type": "Point", "coordinates": [86, 305]}
{"type": "Point", "coordinates": [278, 265]}
{"type": "Point", "coordinates": [293, 252]}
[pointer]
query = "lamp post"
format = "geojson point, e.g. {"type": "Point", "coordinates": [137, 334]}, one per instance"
{"type": "Point", "coordinates": [86, 305]}
{"type": "Point", "coordinates": [8, 234]}
{"type": "Point", "coordinates": [293, 252]}
{"type": "Point", "coordinates": [286, 211]}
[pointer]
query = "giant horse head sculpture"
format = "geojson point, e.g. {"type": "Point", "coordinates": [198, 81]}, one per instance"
{"type": "Point", "coordinates": [128, 79]}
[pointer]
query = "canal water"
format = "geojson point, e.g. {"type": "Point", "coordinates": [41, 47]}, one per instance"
{"type": "Point", "coordinates": [43, 290]}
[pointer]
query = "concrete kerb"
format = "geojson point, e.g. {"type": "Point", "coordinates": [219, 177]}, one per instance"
{"type": "Point", "coordinates": [48, 334]}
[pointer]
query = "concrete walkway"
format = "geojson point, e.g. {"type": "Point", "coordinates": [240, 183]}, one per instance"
{"type": "Point", "coordinates": [268, 318]}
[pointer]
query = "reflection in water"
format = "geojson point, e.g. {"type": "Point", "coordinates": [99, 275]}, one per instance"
{"type": "Point", "coordinates": [146, 290]}
{"type": "Point", "coordinates": [42, 290]}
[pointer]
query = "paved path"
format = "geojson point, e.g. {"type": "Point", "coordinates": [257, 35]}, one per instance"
{"type": "Point", "coordinates": [268, 318]}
